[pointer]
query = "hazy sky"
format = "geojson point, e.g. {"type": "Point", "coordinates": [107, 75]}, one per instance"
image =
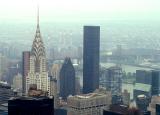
{"type": "Point", "coordinates": [77, 10]}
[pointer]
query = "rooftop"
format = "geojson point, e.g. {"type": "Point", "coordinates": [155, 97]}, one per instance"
{"type": "Point", "coordinates": [87, 96]}
{"type": "Point", "coordinates": [29, 98]}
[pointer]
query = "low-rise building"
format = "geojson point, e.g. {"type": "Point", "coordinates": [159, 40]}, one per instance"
{"type": "Point", "coordinates": [126, 97]}
{"type": "Point", "coordinates": [89, 104]}
{"type": "Point", "coordinates": [152, 106]}
{"type": "Point", "coordinates": [31, 106]}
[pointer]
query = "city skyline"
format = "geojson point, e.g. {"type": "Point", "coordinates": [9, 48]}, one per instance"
{"type": "Point", "coordinates": [88, 57]}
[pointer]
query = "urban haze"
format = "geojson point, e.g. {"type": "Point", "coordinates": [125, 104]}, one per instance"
{"type": "Point", "coordinates": [79, 57]}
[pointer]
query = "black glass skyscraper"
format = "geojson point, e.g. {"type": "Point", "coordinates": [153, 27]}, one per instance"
{"type": "Point", "coordinates": [155, 82]}
{"type": "Point", "coordinates": [67, 79]}
{"type": "Point", "coordinates": [91, 45]}
{"type": "Point", "coordinates": [31, 106]}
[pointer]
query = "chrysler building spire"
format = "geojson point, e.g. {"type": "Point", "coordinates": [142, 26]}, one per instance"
{"type": "Point", "coordinates": [38, 74]}
{"type": "Point", "coordinates": [37, 15]}
{"type": "Point", "coordinates": [38, 49]}
{"type": "Point", "coordinates": [38, 28]}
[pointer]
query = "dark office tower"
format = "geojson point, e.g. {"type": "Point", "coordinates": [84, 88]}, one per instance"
{"type": "Point", "coordinates": [6, 92]}
{"type": "Point", "coordinates": [155, 82]}
{"type": "Point", "coordinates": [91, 45]}
{"type": "Point", "coordinates": [25, 68]}
{"type": "Point", "coordinates": [31, 106]}
{"type": "Point", "coordinates": [143, 83]}
{"type": "Point", "coordinates": [67, 79]}
{"type": "Point", "coordinates": [143, 77]}
{"type": "Point", "coordinates": [119, 55]}
{"type": "Point", "coordinates": [157, 109]}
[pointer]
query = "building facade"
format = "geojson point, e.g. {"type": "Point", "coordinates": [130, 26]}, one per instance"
{"type": "Point", "coordinates": [3, 64]}
{"type": "Point", "coordinates": [126, 97]}
{"type": "Point", "coordinates": [5, 94]}
{"type": "Point", "coordinates": [17, 82]}
{"type": "Point", "coordinates": [25, 68]}
{"type": "Point", "coordinates": [155, 83]}
{"type": "Point", "coordinates": [78, 86]}
{"type": "Point", "coordinates": [143, 83]}
{"type": "Point", "coordinates": [55, 71]}
{"type": "Point", "coordinates": [38, 74]}
{"type": "Point", "coordinates": [89, 104]}
{"type": "Point", "coordinates": [114, 80]}
{"type": "Point", "coordinates": [142, 102]}
{"type": "Point", "coordinates": [152, 106]}
{"type": "Point", "coordinates": [67, 79]}
{"type": "Point", "coordinates": [30, 106]}
{"type": "Point", "coordinates": [157, 109]}
{"type": "Point", "coordinates": [53, 91]}
{"type": "Point", "coordinates": [143, 76]}
{"type": "Point", "coordinates": [91, 46]}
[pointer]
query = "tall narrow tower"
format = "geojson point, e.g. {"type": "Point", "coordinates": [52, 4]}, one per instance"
{"type": "Point", "coordinates": [25, 68]}
{"type": "Point", "coordinates": [38, 75]}
{"type": "Point", "coordinates": [91, 46]}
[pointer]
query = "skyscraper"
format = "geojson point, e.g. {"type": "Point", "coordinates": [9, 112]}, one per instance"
{"type": "Point", "coordinates": [67, 79]}
{"type": "Point", "coordinates": [144, 76]}
{"type": "Point", "coordinates": [38, 74]}
{"type": "Point", "coordinates": [114, 80]}
{"type": "Point", "coordinates": [3, 64]}
{"type": "Point", "coordinates": [25, 68]}
{"type": "Point", "coordinates": [91, 46]}
{"type": "Point", "coordinates": [53, 91]}
{"type": "Point", "coordinates": [55, 71]}
{"type": "Point", "coordinates": [155, 82]}
{"type": "Point", "coordinates": [143, 83]}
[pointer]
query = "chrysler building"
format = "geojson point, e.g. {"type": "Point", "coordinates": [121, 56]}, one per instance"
{"type": "Point", "coordinates": [38, 74]}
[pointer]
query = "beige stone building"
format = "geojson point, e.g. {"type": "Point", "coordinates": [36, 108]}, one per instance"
{"type": "Point", "coordinates": [38, 74]}
{"type": "Point", "coordinates": [17, 82]}
{"type": "Point", "coordinates": [55, 71]}
{"type": "Point", "coordinates": [89, 104]}
{"type": "Point", "coordinates": [152, 106]}
{"type": "Point", "coordinates": [126, 97]}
